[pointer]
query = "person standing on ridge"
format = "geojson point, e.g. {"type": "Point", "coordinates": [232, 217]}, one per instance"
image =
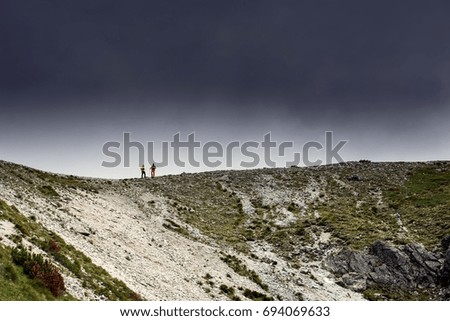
{"type": "Point", "coordinates": [143, 175]}
{"type": "Point", "coordinates": [153, 170]}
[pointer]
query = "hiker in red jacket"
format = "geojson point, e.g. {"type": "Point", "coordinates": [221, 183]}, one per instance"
{"type": "Point", "coordinates": [153, 170]}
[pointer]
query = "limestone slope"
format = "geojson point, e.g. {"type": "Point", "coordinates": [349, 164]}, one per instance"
{"type": "Point", "coordinates": [257, 234]}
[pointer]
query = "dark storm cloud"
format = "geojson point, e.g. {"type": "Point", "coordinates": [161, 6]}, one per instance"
{"type": "Point", "coordinates": [334, 54]}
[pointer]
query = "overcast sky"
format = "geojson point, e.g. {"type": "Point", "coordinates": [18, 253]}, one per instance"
{"type": "Point", "coordinates": [77, 74]}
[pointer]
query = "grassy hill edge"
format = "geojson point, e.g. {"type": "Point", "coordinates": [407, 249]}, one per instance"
{"type": "Point", "coordinates": [16, 285]}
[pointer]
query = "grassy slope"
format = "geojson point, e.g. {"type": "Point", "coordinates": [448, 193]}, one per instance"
{"type": "Point", "coordinates": [424, 204]}
{"type": "Point", "coordinates": [92, 276]}
{"type": "Point", "coordinates": [16, 286]}
{"type": "Point", "coordinates": [202, 203]}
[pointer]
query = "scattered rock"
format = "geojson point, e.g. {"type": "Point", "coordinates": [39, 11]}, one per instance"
{"type": "Point", "coordinates": [84, 233]}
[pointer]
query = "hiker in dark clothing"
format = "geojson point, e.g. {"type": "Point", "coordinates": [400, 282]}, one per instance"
{"type": "Point", "coordinates": [153, 170]}
{"type": "Point", "coordinates": [143, 175]}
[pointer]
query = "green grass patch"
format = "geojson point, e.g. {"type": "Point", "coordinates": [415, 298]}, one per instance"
{"type": "Point", "coordinates": [358, 231]}
{"type": "Point", "coordinates": [64, 181]}
{"type": "Point", "coordinates": [424, 204]}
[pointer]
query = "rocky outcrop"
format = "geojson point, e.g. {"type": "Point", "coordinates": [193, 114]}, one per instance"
{"type": "Point", "coordinates": [407, 268]}
{"type": "Point", "coordinates": [445, 273]}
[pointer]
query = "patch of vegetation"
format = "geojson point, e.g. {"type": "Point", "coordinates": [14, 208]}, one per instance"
{"type": "Point", "coordinates": [68, 181]}
{"type": "Point", "coordinates": [287, 239]}
{"type": "Point", "coordinates": [358, 230]}
{"type": "Point", "coordinates": [256, 296]}
{"type": "Point", "coordinates": [36, 267]}
{"type": "Point", "coordinates": [423, 204]}
{"type": "Point", "coordinates": [15, 285]}
{"type": "Point", "coordinates": [37, 178]}
{"type": "Point", "coordinates": [378, 293]}
{"type": "Point", "coordinates": [171, 225]}
{"type": "Point", "coordinates": [352, 214]}
{"type": "Point", "coordinates": [91, 275]}
{"type": "Point", "coordinates": [230, 292]}
{"type": "Point", "coordinates": [293, 208]}
{"type": "Point", "coordinates": [209, 279]}
{"type": "Point", "coordinates": [48, 191]}
{"type": "Point", "coordinates": [240, 268]}
{"type": "Point", "coordinates": [299, 296]}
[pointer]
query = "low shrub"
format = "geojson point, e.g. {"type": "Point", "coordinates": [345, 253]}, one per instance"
{"type": "Point", "coordinates": [36, 267]}
{"type": "Point", "coordinates": [48, 191]}
{"type": "Point", "coordinates": [240, 268]}
{"type": "Point", "coordinates": [256, 296]}
{"type": "Point", "coordinates": [229, 292]}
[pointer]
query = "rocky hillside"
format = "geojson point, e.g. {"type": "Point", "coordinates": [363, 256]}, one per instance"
{"type": "Point", "coordinates": [349, 231]}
